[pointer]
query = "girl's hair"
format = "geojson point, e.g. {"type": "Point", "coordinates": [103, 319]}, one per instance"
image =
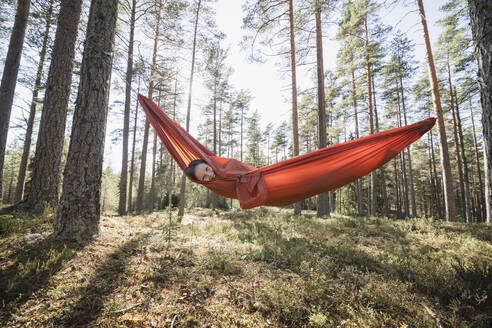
{"type": "Point", "coordinates": [190, 170]}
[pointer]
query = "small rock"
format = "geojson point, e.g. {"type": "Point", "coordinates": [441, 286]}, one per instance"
{"type": "Point", "coordinates": [31, 237]}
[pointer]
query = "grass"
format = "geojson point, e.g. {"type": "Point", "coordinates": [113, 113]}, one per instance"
{"type": "Point", "coordinates": [255, 268]}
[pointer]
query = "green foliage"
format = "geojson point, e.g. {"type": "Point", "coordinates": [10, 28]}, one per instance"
{"type": "Point", "coordinates": [318, 320]}
{"type": "Point", "coordinates": [221, 263]}
{"type": "Point", "coordinates": [24, 222]}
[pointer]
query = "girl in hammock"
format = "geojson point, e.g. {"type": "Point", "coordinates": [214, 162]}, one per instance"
{"type": "Point", "coordinates": [199, 170]}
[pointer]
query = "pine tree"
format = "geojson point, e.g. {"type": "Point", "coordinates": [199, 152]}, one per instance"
{"type": "Point", "coordinates": [126, 119]}
{"type": "Point", "coordinates": [450, 206]}
{"type": "Point", "coordinates": [9, 77]}
{"type": "Point", "coordinates": [79, 211]}
{"type": "Point", "coordinates": [481, 22]}
{"type": "Point", "coordinates": [47, 16]}
{"type": "Point", "coordinates": [46, 174]}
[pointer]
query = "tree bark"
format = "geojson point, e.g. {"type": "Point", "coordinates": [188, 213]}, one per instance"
{"type": "Point", "coordinates": [481, 22]}
{"type": "Point", "coordinates": [9, 77]}
{"type": "Point", "coordinates": [21, 178]}
{"type": "Point", "coordinates": [182, 200]}
{"type": "Point", "coordinates": [126, 120]}
{"type": "Point", "coordinates": [45, 183]}
{"type": "Point", "coordinates": [450, 205]}
{"type": "Point", "coordinates": [79, 211]}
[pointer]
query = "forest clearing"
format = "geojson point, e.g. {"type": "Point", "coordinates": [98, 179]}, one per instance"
{"type": "Point", "coordinates": [255, 163]}
{"type": "Point", "coordinates": [255, 268]}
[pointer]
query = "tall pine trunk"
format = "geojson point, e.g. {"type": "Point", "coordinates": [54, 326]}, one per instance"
{"type": "Point", "coordinates": [481, 22]}
{"type": "Point", "coordinates": [404, 182]}
{"type": "Point", "coordinates": [143, 162]}
{"type": "Point", "coordinates": [152, 180]}
{"type": "Point", "coordinates": [182, 200]}
{"type": "Point", "coordinates": [126, 120]}
{"type": "Point", "coordinates": [132, 164]}
{"type": "Point", "coordinates": [21, 178]}
{"type": "Point", "coordinates": [397, 189]}
{"type": "Point", "coordinates": [410, 184]}
{"type": "Point", "coordinates": [372, 207]}
{"type": "Point", "coordinates": [465, 162]}
{"type": "Point", "coordinates": [450, 206]}
{"type": "Point", "coordinates": [45, 184]}
{"type": "Point", "coordinates": [356, 118]}
{"type": "Point", "coordinates": [293, 76]}
{"type": "Point", "coordinates": [9, 77]}
{"type": "Point", "coordinates": [457, 147]}
{"type": "Point", "coordinates": [79, 211]}
{"type": "Point", "coordinates": [437, 183]}
{"type": "Point", "coordinates": [323, 205]}
{"type": "Point", "coordinates": [434, 201]}
{"type": "Point", "coordinates": [381, 170]}
{"type": "Point", "coordinates": [481, 200]}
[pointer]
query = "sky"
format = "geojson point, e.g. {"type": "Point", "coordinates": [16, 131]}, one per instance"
{"type": "Point", "coordinates": [271, 93]}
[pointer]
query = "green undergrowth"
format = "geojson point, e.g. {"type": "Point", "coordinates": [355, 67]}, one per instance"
{"type": "Point", "coordinates": [255, 268]}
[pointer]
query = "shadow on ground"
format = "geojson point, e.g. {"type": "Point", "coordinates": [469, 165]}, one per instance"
{"type": "Point", "coordinates": [107, 278]}
{"type": "Point", "coordinates": [30, 270]}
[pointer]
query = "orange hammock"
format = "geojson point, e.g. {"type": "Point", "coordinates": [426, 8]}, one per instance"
{"type": "Point", "coordinates": [288, 181]}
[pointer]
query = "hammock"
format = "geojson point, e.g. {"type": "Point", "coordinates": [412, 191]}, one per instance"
{"type": "Point", "coordinates": [289, 181]}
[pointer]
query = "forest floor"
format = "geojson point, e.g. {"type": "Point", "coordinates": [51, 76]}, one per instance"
{"type": "Point", "coordinates": [255, 268]}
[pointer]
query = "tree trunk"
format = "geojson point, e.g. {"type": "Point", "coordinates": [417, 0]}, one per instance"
{"type": "Point", "coordinates": [79, 211]}
{"type": "Point", "coordinates": [481, 22]}
{"type": "Point", "coordinates": [481, 201]}
{"type": "Point", "coordinates": [457, 147]}
{"type": "Point", "coordinates": [143, 163]}
{"type": "Point", "coordinates": [182, 199]}
{"type": "Point", "coordinates": [295, 123]}
{"type": "Point", "coordinates": [465, 164]}
{"type": "Point", "coordinates": [404, 182]}
{"type": "Point", "coordinates": [372, 207]}
{"type": "Point", "coordinates": [21, 178]}
{"type": "Point", "coordinates": [323, 205]}
{"type": "Point", "coordinates": [9, 77]}
{"type": "Point", "coordinates": [241, 131]}
{"type": "Point", "coordinates": [436, 178]}
{"type": "Point", "coordinates": [45, 183]}
{"type": "Point", "coordinates": [409, 185]}
{"type": "Point", "coordinates": [434, 201]}
{"type": "Point", "coordinates": [381, 170]}
{"type": "Point", "coordinates": [132, 165]}
{"type": "Point", "coordinates": [397, 190]}
{"type": "Point", "coordinates": [126, 120]}
{"type": "Point", "coordinates": [356, 118]}
{"type": "Point", "coordinates": [152, 180]}
{"type": "Point", "coordinates": [450, 205]}
{"type": "Point", "coordinates": [220, 128]}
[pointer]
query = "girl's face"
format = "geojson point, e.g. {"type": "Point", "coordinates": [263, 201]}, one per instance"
{"type": "Point", "coordinates": [203, 172]}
